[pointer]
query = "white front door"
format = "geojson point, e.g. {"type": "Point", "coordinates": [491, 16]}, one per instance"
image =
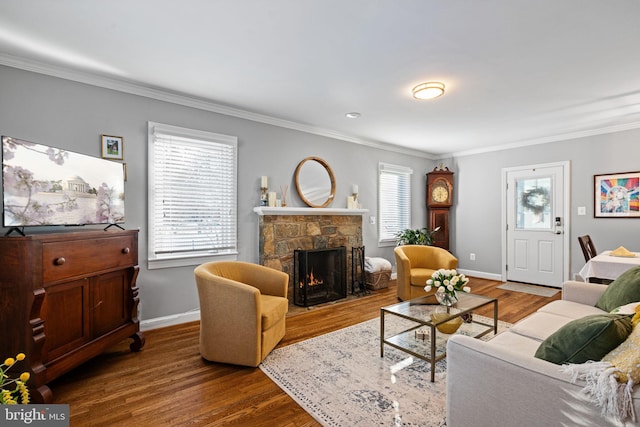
{"type": "Point", "coordinates": [536, 247]}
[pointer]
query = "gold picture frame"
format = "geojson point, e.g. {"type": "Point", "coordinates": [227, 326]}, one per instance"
{"type": "Point", "coordinates": [112, 147]}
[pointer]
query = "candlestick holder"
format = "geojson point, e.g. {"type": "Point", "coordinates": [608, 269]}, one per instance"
{"type": "Point", "coordinates": [263, 197]}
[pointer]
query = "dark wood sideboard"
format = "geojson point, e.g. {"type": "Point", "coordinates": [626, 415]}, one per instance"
{"type": "Point", "coordinates": [65, 298]}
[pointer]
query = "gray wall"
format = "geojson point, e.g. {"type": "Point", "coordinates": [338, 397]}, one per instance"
{"type": "Point", "coordinates": [476, 215]}
{"type": "Point", "coordinates": [72, 115]}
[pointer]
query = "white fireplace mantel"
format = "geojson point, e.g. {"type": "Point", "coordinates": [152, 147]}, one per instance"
{"type": "Point", "coordinates": [261, 210]}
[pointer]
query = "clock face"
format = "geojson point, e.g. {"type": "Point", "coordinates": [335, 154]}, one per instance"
{"type": "Point", "coordinates": [440, 193]}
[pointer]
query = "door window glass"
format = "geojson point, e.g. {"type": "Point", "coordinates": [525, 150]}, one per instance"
{"type": "Point", "coordinates": [533, 203]}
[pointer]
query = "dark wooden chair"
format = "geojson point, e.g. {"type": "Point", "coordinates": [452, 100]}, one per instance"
{"type": "Point", "coordinates": [587, 246]}
{"type": "Point", "coordinates": [589, 251]}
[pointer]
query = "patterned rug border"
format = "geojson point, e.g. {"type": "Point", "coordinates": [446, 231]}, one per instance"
{"type": "Point", "coordinates": [340, 379]}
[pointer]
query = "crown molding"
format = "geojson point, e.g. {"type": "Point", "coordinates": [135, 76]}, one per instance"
{"type": "Point", "coordinates": [136, 88]}
{"type": "Point", "coordinates": [548, 139]}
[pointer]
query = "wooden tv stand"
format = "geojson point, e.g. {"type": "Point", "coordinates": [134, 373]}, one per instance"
{"type": "Point", "coordinates": [65, 298]}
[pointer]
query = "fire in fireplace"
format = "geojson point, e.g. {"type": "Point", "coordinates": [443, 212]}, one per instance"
{"type": "Point", "coordinates": [319, 275]}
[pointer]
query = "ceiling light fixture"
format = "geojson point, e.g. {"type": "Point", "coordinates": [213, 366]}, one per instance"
{"type": "Point", "coordinates": [428, 90]}
{"type": "Point", "coordinates": [353, 115]}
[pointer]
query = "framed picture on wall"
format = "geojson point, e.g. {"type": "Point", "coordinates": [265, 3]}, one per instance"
{"type": "Point", "coordinates": [112, 147]}
{"type": "Point", "coordinates": [616, 195]}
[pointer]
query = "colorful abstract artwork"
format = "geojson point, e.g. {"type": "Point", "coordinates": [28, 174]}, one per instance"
{"type": "Point", "coordinates": [617, 195]}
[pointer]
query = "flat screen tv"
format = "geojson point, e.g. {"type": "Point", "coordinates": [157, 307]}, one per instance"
{"type": "Point", "coordinates": [43, 185]}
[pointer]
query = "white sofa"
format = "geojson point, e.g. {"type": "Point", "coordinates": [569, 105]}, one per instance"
{"type": "Point", "coordinates": [500, 383]}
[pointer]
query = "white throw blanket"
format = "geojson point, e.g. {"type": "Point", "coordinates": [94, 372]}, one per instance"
{"type": "Point", "coordinates": [374, 265]}
{"type": "Point", "coordinates": [606, 392]}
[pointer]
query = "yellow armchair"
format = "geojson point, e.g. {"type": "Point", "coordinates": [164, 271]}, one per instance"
{"type": "Point", "coordinates": [242, 311]}
{"type": "Point", "coordinates": [415, 264]}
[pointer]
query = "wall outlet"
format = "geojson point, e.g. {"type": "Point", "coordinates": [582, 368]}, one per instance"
{"type": "Point", "coordinates": [372, 220]}
{"type": "Point", "coordinates": [472, 256]}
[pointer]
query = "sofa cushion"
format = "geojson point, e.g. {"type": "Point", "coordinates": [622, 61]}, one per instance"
{"type": "Point", "coordinates": [540, 326]}
{"type": "Point", "coordinates": [623, 290]}
{"type": "Point", "coordinates": [515, 343]}
{"type": "Point", "coordinates": [588, 338]}
{"type": "Point", "coordinates": [571, 309]}
{"type": "Point", "coordinates": [274, 309]}
{"type": "Point", "coordinates": [419, 276]}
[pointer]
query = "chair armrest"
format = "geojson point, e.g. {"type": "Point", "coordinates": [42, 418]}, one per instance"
{"type": "Point", "coordinates": [582, 292]}
{"type": "Point", "coordinates": [403, 274]}
{"type": "Point", "coordinates": [230, 319]}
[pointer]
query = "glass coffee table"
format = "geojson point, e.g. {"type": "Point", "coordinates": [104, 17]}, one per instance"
{"type": "Point", "coordinates": [418, 335]}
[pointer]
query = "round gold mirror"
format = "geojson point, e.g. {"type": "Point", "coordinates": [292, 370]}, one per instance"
{"type": "Point", "coordinates": [315, 182]}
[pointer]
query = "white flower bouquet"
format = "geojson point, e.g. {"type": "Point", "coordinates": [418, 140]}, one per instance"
{"type": "Point", "coordinates": [448, 282]}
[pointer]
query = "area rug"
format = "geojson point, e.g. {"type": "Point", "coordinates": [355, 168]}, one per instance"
{"type": "Point", "coordinates": [341, 380]}
{"type": "Point", "coordinates": [542, 291]}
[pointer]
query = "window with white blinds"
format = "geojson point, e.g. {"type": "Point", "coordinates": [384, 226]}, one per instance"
{"type": "Point", "coordinates": [192, 196]}
{"type": "Point", "coordinates": [394, 198]}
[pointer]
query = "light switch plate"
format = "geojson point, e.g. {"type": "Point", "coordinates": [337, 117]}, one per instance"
{"type": "Point", "coordinates": [582, 210]}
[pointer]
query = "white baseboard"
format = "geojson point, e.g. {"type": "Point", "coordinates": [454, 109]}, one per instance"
{"type": "Point", "coordinates": [174, 319]}
{"type": "Point", "coordinates": [480, 274]}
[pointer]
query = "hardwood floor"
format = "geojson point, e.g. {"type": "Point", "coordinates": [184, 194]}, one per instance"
{"type": "Point", "coordinates": [169, 384]}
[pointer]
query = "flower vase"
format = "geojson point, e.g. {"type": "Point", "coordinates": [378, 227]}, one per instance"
{"type": "Point", "coordinates": [446, 298]}
{"type": "Point", "coordinates": [448, 327]}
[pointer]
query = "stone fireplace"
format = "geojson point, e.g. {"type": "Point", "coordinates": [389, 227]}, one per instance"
{"type": "Point", "coordinates": [285, 230]}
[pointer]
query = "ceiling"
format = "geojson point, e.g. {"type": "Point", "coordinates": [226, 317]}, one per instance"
{"type": "Point", "coordinates": [516, 72]}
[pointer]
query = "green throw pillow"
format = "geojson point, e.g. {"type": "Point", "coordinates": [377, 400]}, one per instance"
{"type": "Point", "coordinates": [623, 290]}
{"type": "Point", "coordinates": [588, 338]}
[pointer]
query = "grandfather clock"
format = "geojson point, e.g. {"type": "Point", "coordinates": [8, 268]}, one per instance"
{"type": "Point", "coordinates": [439, 200]}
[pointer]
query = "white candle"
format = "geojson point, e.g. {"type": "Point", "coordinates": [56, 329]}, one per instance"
{"type": "Point", "coordinates": [352, 203]}
{"type": "Point", "coordinates": [264, 182]}
{"type": "Point", "coordinates": [354, 189]}
{"type": "Point", "coordinates": [272, 199]}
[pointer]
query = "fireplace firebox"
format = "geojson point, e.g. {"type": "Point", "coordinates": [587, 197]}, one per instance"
{"type": "Point", "coordinates": [319, 275]}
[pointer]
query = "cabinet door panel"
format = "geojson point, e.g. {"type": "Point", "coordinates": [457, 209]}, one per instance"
{"type": "Point", "coordinates": [67, 323]}
{"type": "Point", "coordinates": [110, 301]}
{"type": "Point", "coordinates": [440, 218]}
